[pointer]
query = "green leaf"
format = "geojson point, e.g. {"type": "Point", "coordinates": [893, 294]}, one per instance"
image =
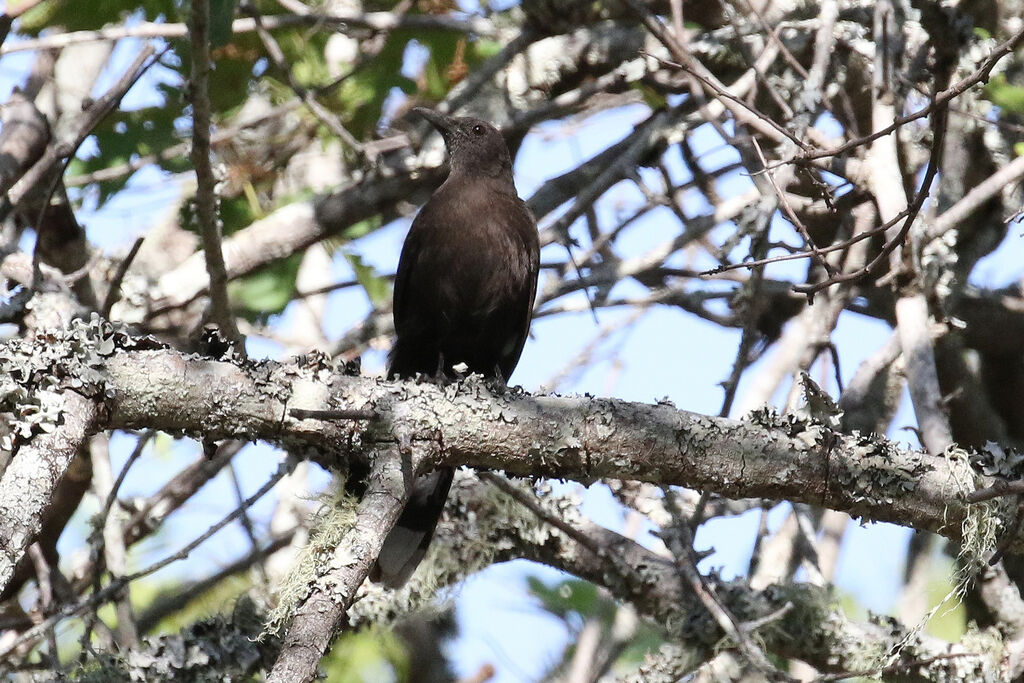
{"type": "Point", "coordinates": [484, 48]}
{"type": "Point", "coordinates": [222, 13]}
{"type": "Point", "coordinates": [237, 213]}
{"type": "Point", "coordinates": [376, 287]}
{"type": "Point", "coordinates": [370, 654]}
{"type": "Point", "coordinates": [1005, 96]}
{"type": "Point", "coordinates": [267, 291]}
{"type": "Point", "coordinates": [232, 78]}
{"type": "Point", "coordinates": [74, 16]}
{"type": "Point", "coordinates": [654, 99]}
{"type": "Point", "coordinates": [568, 597]}
{"type": "Point", "coordinates": [361, 97]}
{"type": "Point", "coordinates": [362, 228]}
{"type": "Point", "coordinates": [123, 135]}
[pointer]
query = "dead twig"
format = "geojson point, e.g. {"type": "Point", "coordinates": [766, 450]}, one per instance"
{"type": "Point", "coordinates": [206, 191]}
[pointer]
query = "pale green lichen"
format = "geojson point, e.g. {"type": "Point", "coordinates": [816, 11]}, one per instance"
{"type": "Point", "coordinates": [669, 664]}
{"type": "Point", "coordinates": [334, 519]}
{"type": "Point", "coordinates": [466, 542]}
{"type": "Point", "coordinates": [983, 522]}
{"type": "Point", "coordinates": [34, 373]}
{"type": "Point", "coordinates": [877, 472]}
{"type": "Point", "coordinates": [996, 460]}
{"type": "Point", "coordinates": [980, 531]}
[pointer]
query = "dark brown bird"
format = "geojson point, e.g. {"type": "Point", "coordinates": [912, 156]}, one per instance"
{"type": "Point", "coordinates": [464, 295]}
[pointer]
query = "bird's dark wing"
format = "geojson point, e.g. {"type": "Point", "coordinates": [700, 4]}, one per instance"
{"type": "Point", "coordinates": [411, 249]}
{"type": "Point", "coordinates": [526, 231]}
{"type": "Point", "coordinates": [412, 324]}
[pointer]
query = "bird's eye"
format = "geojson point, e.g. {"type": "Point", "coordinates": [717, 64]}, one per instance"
{"type": "Point", "coordinates": [478, 129]}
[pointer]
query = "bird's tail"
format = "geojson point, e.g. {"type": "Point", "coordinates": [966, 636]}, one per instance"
{"type": "Point", "coordinates": [407, 542]}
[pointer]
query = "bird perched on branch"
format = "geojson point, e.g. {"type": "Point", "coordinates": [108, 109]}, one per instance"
{"type": "Point", "coordinates": [464, 296]}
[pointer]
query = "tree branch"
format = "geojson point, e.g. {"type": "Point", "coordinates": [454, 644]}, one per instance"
{"type": "Point", "coordinates": [577, 438]}
{"type": "Point", "coordinates": [206, 192]}
{"type": "Point", "coordinates": [29, 482]}
{"type": "Point", "coordinates": [323, 612]}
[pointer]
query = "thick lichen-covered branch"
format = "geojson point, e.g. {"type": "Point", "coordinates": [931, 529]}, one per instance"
{"type": "Point", "coordinates": [475, 424]}
{"type": "Point", "coordinates": [322, 612]}
{"type": "Point", "coordinates": [484, 525]}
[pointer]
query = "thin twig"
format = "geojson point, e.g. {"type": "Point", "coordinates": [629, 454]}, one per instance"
{"type": "Point", "coordinates": [46, 599]}
{"type": "Point", "coordinates": [816, 254]}
{"type": "Point", "coordinates": [282, 470]}
{"type": "Point", "coordinates": [980, 75]}
{"type": "Point", "coordinates": [303, 414]}
{"type": "Point", "coordinates": [688, 63]}
{"type": "Point", "coordinates": [531, 504]}
{"type": "Point", "coordinates": [206, 191]}
{"type": "Point", "coordinates": [112, 589]}
{"type": "Point", "coordinates": [281, 62]}
{"type": "Point", "coordinates": [108, 538]}
{"type": "Point", "coordinates": [136, 452]}
{"type": "Point", "coordinates": [954, 216]}
{"type": "Point", "coordinates": [178, 597]}
{"type": "Point", "coordinates": [245, 520]}
{"type": "Point", "coordinates": [340, 22]}
{"type": "Point", "coordinates": [114, 293]}
{"type": "Point", "coordinates": [56, 156]}
{"type": "Point", "coordinates": [934, 161]}
{"type": "Point", "coordinates": [749, 334]}
{"type": "Point", "coordinates": [680, 542]}
{"type": "Point", "coordinates": [998, 489]}
{"type": "Point", "coordinates": [838, 246]}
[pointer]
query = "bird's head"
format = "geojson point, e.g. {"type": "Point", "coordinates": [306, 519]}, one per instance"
{"type": "Point", "coordinates": [474, 145]}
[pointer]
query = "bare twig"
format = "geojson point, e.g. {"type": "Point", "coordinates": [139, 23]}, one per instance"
{"type": "Point", "coordinates": [999, 489]}
{"type": "Point", "coordinates": [816, 255]}
{"type": "Point", "coordinates": [303, 414]}
{"type": "Point", "coordinates": [955, 215]}
{"type": "Point", "coordinates": [206, 192]}
{"type": "Point", "coordinates": [680, 543]}
{"type": "Point", "coordinates": [114, 293]}
{"type": "Point", "coordinates": [245, 520]}
{"type": "Point", "coordinates": [939, 102]}
{"type": "Point", "coordinates": [178, 597]}
{"type": "Point", "coordinates": [110, 535]}
{"type": "Point", "coordinates": [112, 589]}
{"type": "Point", "coordinates": [532, 505]}
{"type": "Point", "coordinates": [934, 161]}
{"type": "Point", "coordinates": [347, 23]}
{"type": "Point", "coordinates": [153, 511]}
{"type": "Point", "coordinates": [46, 598]}
{"type": "Point", "coordinates": [45, 170]}
{"type": "Point", "coordinates": [308, 98]}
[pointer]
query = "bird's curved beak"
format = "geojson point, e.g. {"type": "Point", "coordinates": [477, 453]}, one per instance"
{"type": "Point", "coordinates": [444, 124]}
